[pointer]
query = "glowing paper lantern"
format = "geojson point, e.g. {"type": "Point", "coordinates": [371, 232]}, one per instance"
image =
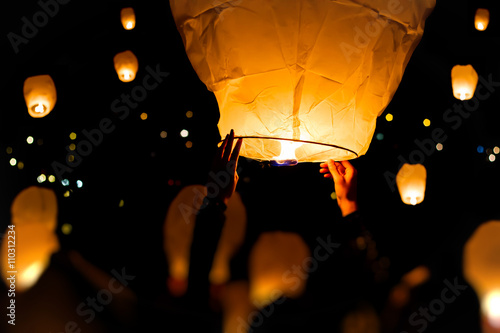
{"type": "Point", "coordinates": [411, 179]}
{"type": "Point", "coordinates": [127, 17]}
{"type": "Point", "coordinates": [126, 66]}
{"type": "Point", "coordinates": [481, 262]}
{"type": "Point", "coordinates": [34, 216]}
{"type": "Point", "coordinates": [464, 80]}
{"type": "Point", "coordinates": [302, 81]}
{"type": "Point", "coordinates": [178, 235]}
{"type": "Point", "coordinates": [271, 267]}
{"type": "Point", "coordinates": [482, 19]}
{"type": "Point", "coordinates": [35, 205]}
{"type": "Point", "coordinates": [40, 95]}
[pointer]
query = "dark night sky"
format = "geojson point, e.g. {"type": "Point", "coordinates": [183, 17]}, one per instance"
{"type": "Point", "coordinates": [134, 164]}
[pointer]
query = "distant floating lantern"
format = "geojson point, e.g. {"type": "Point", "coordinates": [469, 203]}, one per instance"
{"type": "Point", "coordinates": [127, 16]}
{"type": "Point", "coordinates": [270, 263]}
{"type": "Point", "coordinates": [482, 19]}
{"type": "Point", "coordinates": [40, 95]}
{"type": "Point", "coordinates": [411, 180]}
{"type": "Point", "coordinates": [126, 66]}
{"type": "Point", "coordinates": [481, 264]}
{"type": "Point", "coordinates": [301, 81]}
{"type": "Point", "coordinates": [464, 81]}
{"type": "Point", "coordinates": [178, 235]}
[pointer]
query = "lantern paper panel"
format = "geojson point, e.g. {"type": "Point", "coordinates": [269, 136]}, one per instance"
{"type": "Point", "coordinates": [179, 227]}
{"type": "Point", "coordinates": [481, 265]}
{"type": "Point", "coordinates": [40, 95]}
{"type": "Point", "coordinates": [35, 205]}
{"type": "Point", "coordinates": [126, 65]}
{"type": "Point", "coordinates": [127, 16]}
{"type": "Point", "coordinates": [299, 76]}
{"type": "Point", "coordinates": [411, 181]}
{"type": "Point", "coordinates": [271, 260]}
{"type": "Point", "coordinates": [464, 81]}
{"type": "Point", "coordinates": [481, 19]}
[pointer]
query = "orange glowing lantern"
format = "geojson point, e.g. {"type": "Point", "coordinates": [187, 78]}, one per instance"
{"type": "Point", "coordinates": [34, 218]}
{"type": "Point", "coordinates": [126, 66]}
{"type": "Point", "coordinates": [482, 19]}
{"type": "Point", "coordinates": [271, 264]}
{"type": "Point", "coordinates": [411, 180]}
{"type": "Point", "coordinates": [40, 95]}
{"type": "Point", "coordinates": [481, 264]}
{"type": "Point", "coordinates": [127, 16]}
{"type": "Point", "coordinates": [464, 81]}
{"type": "Point", "coordinates": [301, 81]}
{"type": "Point", "coordinates": [178, 235]}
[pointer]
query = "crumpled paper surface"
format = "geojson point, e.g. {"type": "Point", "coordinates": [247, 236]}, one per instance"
{"type": "Point", "coordinates": [313, 70]}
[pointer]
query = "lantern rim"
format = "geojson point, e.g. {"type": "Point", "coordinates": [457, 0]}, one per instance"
{"type": "Point", "coordinates": [295, 140]}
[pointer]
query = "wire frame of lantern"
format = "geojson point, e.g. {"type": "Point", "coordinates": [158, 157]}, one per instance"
{"type": "Point", "coordinates": [127, 16]}
{"type": "Point", "coordinates": [411, 182]}
{"type": "Point", "coordinates": [40, 95]}
{"type": "Point", "coordinates": [301, 81]}
{"type": "Point", "coordinates": [126, 65]}
{"type": "Point", "coordinates": [464, 80]}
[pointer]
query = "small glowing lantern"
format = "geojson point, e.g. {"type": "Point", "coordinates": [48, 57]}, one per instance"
{"type": "Point", "coordinates": [127, 16]}
{"type": "Point", "coordinates": [270, 267]}
{"type": "Point", "coordinates": [126, 66]}
{"type": "Point", "coordinates": [178, 235]}
{"type": "Point", "coordinates": [481, 264]}
{"type": "Point", "coordinates": [411, 179]}
{"type": "Point", "coordinates": [482, 19]}
{"type": "Point", "coordinates": [464, 80]}
{"type": "Point", "coordinates": [40, 95]}
{"type": "Point", "coordinates": [300, 80]}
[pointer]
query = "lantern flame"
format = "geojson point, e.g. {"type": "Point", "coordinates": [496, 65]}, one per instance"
{"type": "Point", "coordinates": [480, 26]}
{"type": "Point", "coordinates": [287, 155]}
{"type": "Point", "coordinates": [127, 75]}
{"type": "Point", "coordinates": [129, 25]}
{"type": "Point", "coordinates": [491, 307]}
{"type": "Point", "coordinates": [40, 108]}
{"type": "Point", "coordinates": [413, 200]}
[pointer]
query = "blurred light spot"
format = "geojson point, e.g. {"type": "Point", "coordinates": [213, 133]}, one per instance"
{"type": "Point", "coordinates": [480, 149]}
{"type": "Point", "coordinates": [66, 194]}
{"type": "Point", "coordinates": [496, 150]}
{"type": "Point", "coordinates": [41, 178]}
{"type": "Point", "coordinates": [65, 182]}
{"type": "Point", "coordinates": [170, 182]}
{"type": "Point", "coordinates": [189, 114]}
{"type": "Point", "coordinates": [427, 122]}
{"type": "Point", "coordinates": [79, 183]}
{"type": "Point", "coordinates": [39, 142]}
{"type": "Point", "coordinates": [489, 151]}
{"type": "Point", "coordinates": [66, 228]}
{"type": "Point", "coordinates": [29, 140]}
{"type": "Point", "coordinates": [389, 117]}
{"type": "Point", "coordinates": [9, 150]}
{"type": "Point", "coordinates": [163, 134]}
{"type": "Point", "coordinates": [72, 135]}
{"type": "Point", "coordinates": [184, 133]}
{"type": "Point", "coordinates": [380, 136]}
{"type": "Point", "coordinates": [72, 146]}
{"type": "Point", "coordinates": [492, 158]}
{"type": "Point", "coordinates": [20, 165]}
{"type": "Point", "coordinates": [178, 183]}
{"type": "Point", "coordinates": [13, 161]}
{"type": "Point", "coordinates": [71, 158]}
{"type": "Point", "coordinates": [439, 146]}
{"type": "Point", "coordinates": [189, 144]}
{"type": "Point", "coordinates": [52, 178]}
{"type": "Point", "coordinates": [144, 116]}
{"type": "Point", "coordinates": [361, 243]}
{"type": "Point", "coordinates": [333, 196]}
{"type": "Point", "coordinates": [121, 203]}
